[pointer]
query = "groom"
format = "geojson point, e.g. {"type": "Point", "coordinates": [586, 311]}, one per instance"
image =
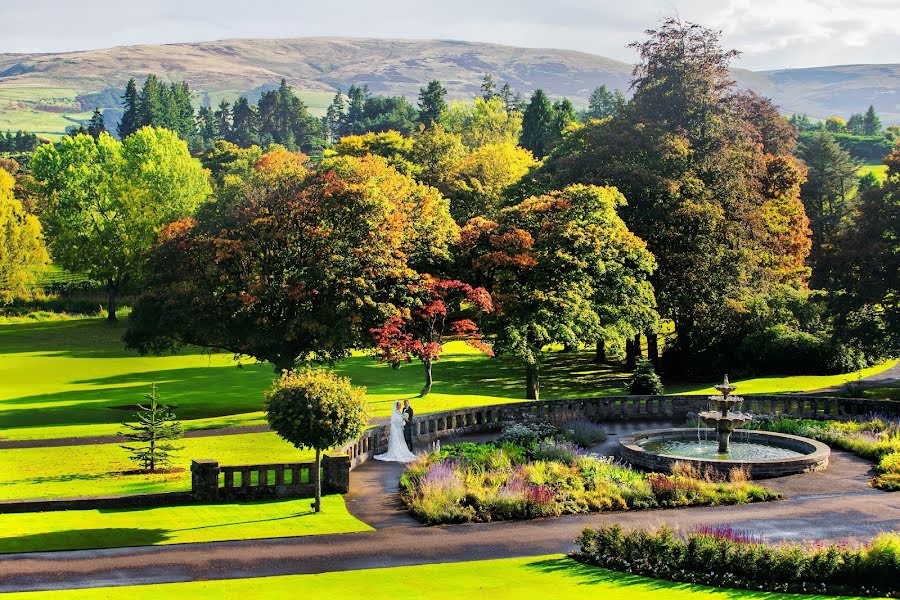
{"type": "Point", "coordinates": [407, 424]}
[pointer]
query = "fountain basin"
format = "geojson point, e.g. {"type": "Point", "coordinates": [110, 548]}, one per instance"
{"type": "Point", "coordinates": [775, 454]}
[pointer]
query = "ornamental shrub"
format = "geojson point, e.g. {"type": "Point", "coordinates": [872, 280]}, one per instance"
{"type": "Point", "coordinates": [646, 382]}
{"type": "Point", "coordinates": [314, 408]}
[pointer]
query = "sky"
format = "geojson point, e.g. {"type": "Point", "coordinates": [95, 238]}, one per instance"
{"type": "Point", "coordinates": [772, 34]}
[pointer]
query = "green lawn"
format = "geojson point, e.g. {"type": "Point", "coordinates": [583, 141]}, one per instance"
{"type": "Point", "coordinates": [520, 578]}
{"type": "Point", "coordinates": [97, 469]}
{"type": "Point", "coordinates": [90, 529]}
{"type": "Point", "coordinates": [879, 170]}
{"type": "Point", "coordinates": [74, 378]}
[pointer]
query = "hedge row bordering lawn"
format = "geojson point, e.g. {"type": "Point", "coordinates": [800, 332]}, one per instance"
{"type": "Point", "coordinates": [729, 559]}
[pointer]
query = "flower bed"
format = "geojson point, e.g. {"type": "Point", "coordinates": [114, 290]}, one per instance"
{"type": "Point", "coordinates": [877, 440]}
{"type": "Point", "coordinates": [505, 481]}
{"type": "Point", "coordinates": [733, 559]}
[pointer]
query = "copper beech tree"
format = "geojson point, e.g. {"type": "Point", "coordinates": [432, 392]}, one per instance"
{"type": "Point", "coordinates": [421, 331]}
{"type": "Point", "coordinates": [299, 265]}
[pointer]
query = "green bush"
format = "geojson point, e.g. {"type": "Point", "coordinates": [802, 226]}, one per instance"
{"type": "Point", "coordinates": [723, 557]}
{"type": "Point", "coordinates": [780, 349]}
{"type": "Point", "coordinates": [646, 382]}
{"type": "Point", "coordinates": [584, 432]}
{"type": "Point", "coordinates": [528, 434]}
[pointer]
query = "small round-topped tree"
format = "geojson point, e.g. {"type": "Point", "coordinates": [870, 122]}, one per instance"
{"type": "Point", "coordinates": [722, 418]}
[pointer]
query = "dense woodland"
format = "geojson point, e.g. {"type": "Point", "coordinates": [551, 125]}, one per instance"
{"type": "Point", "coordinates": [690, 219]}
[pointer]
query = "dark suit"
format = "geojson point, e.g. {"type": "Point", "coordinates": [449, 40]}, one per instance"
{"type": "Point", "coordinates": [408, 427]}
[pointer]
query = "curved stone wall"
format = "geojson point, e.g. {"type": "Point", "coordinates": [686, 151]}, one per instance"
{"type": "Point", "coordinates": [815, 456]}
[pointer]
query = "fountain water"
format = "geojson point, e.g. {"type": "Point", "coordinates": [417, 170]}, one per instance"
{"type": "Point", "coordinates": [723, 419]}
{"type": "Point", "coordinates": [761, 453]}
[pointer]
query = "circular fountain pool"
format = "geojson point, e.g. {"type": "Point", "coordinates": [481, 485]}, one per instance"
{"type": "Point", "coordinates": [762, 454]}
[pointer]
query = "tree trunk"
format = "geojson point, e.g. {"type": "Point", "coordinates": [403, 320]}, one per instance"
{"type": "Point", "coordinates": [600, 354]}
{"type": "Point", "coordinates": [630, 358]}
{"type": "Point", "coordinates": [532, 383]}
{"type": "Point", "coordinates": [653, 347]}
{"type": "Point", "coordinates": [638, 351]}
{"type": "Point", "coordinates": [428, 378]}
{"type": "Point", "coordinates": [111, 291]}
{"type": "Point", "coordinates": [317, 505]}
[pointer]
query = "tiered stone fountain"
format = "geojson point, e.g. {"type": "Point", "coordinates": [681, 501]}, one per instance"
{"type": "Point", "coordinates": [723, 419]}
{"type": "Point", "coordinates": [760, 453]}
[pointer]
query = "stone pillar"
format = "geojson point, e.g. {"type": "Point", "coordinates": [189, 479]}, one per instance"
{"type": "Point", "coordinates": [336, 473]}
{"type": "Point", "coordinates": [205, 480]}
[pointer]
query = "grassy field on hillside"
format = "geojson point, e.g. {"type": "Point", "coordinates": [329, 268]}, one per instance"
{"type": "Point", "coordinates": [119, 528]}
{"type": "Point", "coordinates": [74, 378]}
{"type": "Point", "coordinates": [527, 578]}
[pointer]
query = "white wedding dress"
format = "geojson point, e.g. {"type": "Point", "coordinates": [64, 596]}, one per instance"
{"type": "Point", "coordinates": [397, 451]}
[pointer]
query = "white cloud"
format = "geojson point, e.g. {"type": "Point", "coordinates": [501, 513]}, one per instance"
{"type": "Point", "coordinates": [771, 33]}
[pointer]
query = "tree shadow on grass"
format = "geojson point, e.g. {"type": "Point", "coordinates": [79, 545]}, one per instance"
{"type": "Point", "coordinates": [591, 575]}
{"type": "Point", "coordinates": [83, 539]}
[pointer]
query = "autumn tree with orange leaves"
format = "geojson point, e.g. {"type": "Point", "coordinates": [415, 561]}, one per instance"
{"type": "Point", "coordinates": [299, 265]}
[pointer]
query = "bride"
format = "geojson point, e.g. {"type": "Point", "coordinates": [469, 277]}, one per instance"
{"type": "Point", "coordinates": [397, 448]}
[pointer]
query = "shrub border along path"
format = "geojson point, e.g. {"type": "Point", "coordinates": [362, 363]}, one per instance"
{"type": "Point", "coordinates": [831, 506]}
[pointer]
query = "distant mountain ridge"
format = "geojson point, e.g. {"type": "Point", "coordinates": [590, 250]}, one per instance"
{"type": "Point", "coordinates": [78, 81]}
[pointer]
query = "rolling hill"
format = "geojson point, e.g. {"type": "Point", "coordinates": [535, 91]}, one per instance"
{"type": "Point", "coordinates": [47, 92]}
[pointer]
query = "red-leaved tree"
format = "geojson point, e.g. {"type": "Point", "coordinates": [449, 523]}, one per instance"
{"type": "Point", "coordinates": [439, 310]}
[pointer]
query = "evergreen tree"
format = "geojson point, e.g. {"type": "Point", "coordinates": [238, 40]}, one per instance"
{"type": "Point", "coordinates": [130, 121]}
{"type": "Point", "coordinates": [335, 119]}
{"type": "Point", "coordinates": [537, 125]}
{"type": "Point", "coordinates": [243, 128]}
{"type": "Point", "coordinates": [206, 127]}
{"type": "Point", "coordinates": [155, 430]}
{"type": "Point", "coordinates": [356, 110]}
{"type": "Point", "coordinates": [223, 120]}
{"type": "Point", "coordinates": [184, 121]}
{"type": "Point", "coordinates": [149, 102]}
{"type": "Point", "coordinates": [432, 103]}
{"type": "Point", "coordinates": [871, 122]}
{"type": "Point", "coordinates": [390, 113]}
{"type": "Point", "coordinates": [831, 182]}
{"type": "Point", "coordinates": [564, 114]}
{"type": "Point", "coordinates": [96, 126]}
{"type": "Point", "coordinates": [488, 87]}
{"type": "Point", "coordinates": [856, 124]}
{"type": "Point", "coordinates": [601, 104]}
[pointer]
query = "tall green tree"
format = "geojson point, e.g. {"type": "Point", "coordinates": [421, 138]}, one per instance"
{"type": "Point", "coordinates": [601, 104]}
{"type": "Point", "coordinates": [831, 183]}
{"type": "Point", "coordinates": [206, 127]}
{"type": "Point", "coordinates": [558, 264]}
{"type": "Point", "coordinates": [96, 125]}
{"type": "Point", "coordinates": [488, 87]}
{"type": "Point", "coordinates": [223, 120]}
{"type": "Point", "coordinates": [538, 125]}
{"type": "Point", "coordinates": [105, 200]}
{"type": "Point", "coordinates": [335, 119]}
{"type": "Point", "coordinates": [131, 120]}
{"type": "Point", "coordinates": [432, 103]}
{"type": "Point", "coordinates": [856, 124]}
{"type": "Point", "coordinates": [354, 124]}
{"type": "Point", "coordinates": [871, 122]}
{"type": "Point", "coordinates": [243, 127]}
{"type": "Point", "coordinates": [150, 102]}
{"type": "Point", "coordinates": [23, 256]}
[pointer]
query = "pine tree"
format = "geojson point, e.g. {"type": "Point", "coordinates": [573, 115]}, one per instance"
{"type": "Point", "coordinates": [356, 110]}
{"type": "Point", "coordinates": [537, 125]}
{"type": "Point", "coordinates": [96, 126]}
{"type": "Point", "coordinates": [243, 128]}
{"type": "Point", "coordinates": [184, 122]}
{"type": "Point", "coordinates": [564, 114]}
{"type": "Point", "coordinates": [149, 103]}
{"type": "Point", "coordinates": [206, 127]}
{"type": "Point", "coordinates": [432, 103]}
{"type": "Point", "coordinates": [601, 104]}
{"type": "Point", "coordinates": [488, 87]}
{"type": "Point", "coordinates": [223, 120]}
{"type": "Point", "coordinates": [335, 119]}
{"type": "Point", "coordinates": [130, 121]}
{"type": "Point", "coordinates": [871, 122]}
{"type": "Point", "coordinates": [155, 429]}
